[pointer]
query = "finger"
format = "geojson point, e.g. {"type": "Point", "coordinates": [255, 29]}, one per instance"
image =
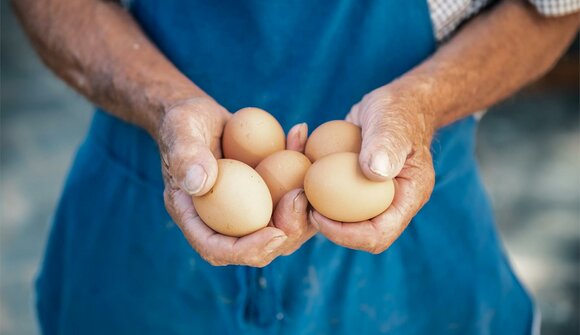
{"type": "Point", "coordinates": [413, 187]}
{"type": "Point", "coordinates": [256, 249]}
{"type": "Point", "coordinates": [297, 136]}
{"type": "Point", "coordinates": [384, 150]}
{"type": "Point", "coordinates": [290, 213]}
{"type": "Point", "coordinates": [353, 115]}
{"type": "Point", "coordinates": [168, 180]}
{"type": "Point", "coordinates": [192, 165]}
{"type": "Point", "coordinates": [354, 235]}
{"type": "Point", "coordinates": [291, 217]}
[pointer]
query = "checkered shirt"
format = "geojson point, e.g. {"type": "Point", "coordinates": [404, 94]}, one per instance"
{"type": "Point", "coordinates": [447, 15]}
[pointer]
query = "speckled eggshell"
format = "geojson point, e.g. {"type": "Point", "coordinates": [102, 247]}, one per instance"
{"type": "Point", "coordinates": [332, 137]}
{"type": "Point", "coordinates": [238, 204]}
{"type": "Point", "coordinates": [337, 188]}
{"type": "Point", "coordinates": [251, 135]}
{"type": "Point", "coordinates": [283, 171]}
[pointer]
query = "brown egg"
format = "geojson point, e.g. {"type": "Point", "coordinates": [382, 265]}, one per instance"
{"type": "Point", "coordinates": [251, 135]}
{"type": "Point", "coordinates": [331, 137]}
{"type": "Point", "coordinates": [283, 171]}
{"type": "Point", "coordinates": [238, 204]}
{"type": "Point", "coordinates": [336, 187]}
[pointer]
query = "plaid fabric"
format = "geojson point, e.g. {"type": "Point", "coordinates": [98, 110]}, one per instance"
{"type": "Point", "coordinates": [447, 15]}
{"type": "Point", "coordinates": [556, 7]}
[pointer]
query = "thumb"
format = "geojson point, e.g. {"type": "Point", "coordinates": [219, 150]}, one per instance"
{"type": "Point", "coordinates": [187, 135]}
{"type": "Point", "coordinates": [192, 165]}
{"type": "Point", "coordinates": [384, 150]}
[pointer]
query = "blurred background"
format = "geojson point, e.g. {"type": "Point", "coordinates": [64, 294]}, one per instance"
{"type": "Point", "coordinates": [529, 151]}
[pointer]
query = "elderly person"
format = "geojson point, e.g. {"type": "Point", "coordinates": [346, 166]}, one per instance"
{"type": "Point", "coordinates": [127, 253]}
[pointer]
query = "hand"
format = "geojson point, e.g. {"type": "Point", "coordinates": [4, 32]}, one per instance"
{"type": "Point", "coordinates": [396, 132]}
{"type": "Point", "coordinates": [189, 143]}
{"type": "Point", "coordinates": [290, 214]}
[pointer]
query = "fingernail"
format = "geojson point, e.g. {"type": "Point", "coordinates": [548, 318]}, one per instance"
{"type": "Point", "coordinates": [379, 164]}
{"type": "Point", "coordinates": [275, 243]}
{"type": "Point", "coordinates": [301, 133]}
{"type": "Point", "coordinates": [304, 130]}
{"type": "Point", "coordinates": [195, 179]}
{"type": "Point", "coordinates": [300, 203]}
{"type": "Point", "coordinates": [313, 221]}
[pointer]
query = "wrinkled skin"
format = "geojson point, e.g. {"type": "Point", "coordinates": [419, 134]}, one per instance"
{"type": "Point", "coordinates": [119, 69]}
{"type": "Point", "coordinates": [396, 136]}
{"type": "Point", "coordinates": [189, 142]}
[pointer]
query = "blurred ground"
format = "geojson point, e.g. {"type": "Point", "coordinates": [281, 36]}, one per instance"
{"type": "Point", "coordinates": [529, 150]}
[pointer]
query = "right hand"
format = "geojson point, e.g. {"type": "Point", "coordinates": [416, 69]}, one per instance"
{"type": "Point", "coordinates": [189, 141]}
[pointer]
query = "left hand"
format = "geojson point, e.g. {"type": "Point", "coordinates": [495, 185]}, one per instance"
{"type": "Point", "coordinates": [396, 131]}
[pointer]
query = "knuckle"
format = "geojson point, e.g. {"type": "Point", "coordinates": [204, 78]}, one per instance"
{"type": "Point", "coordinates": [169, 200]}
{"type": "Point", "coordinates": [376, 251]}
{"type": "Point", "coordinates": [431, 176]}
{"type": "Point", "coordinates": [428, 194]}
{"type": "Point", "coordinates": [212, 260]}
{"type": "Point", "coordinates": [428, 171]}
{"type": "Point", "coordinates": [373, 247]}
{"type": "Point", "coordinates": [426, 183]}
{"type": "Point", "coordinates": [177, 160]}
{"type": "Point", "coordinates": [261, 264]}
{"type": "Point", "coordinates": [167, 177]}
{"type": "Point", "coordinates": [289, 251]}
{"type": "Point", "coordinates": [265, 262]}
{"type": "Point", "coordinates": [258, 262]}
{"type": "Point", "coordinates": [166, 197]}
{"type": "Point", "coordinates": [392, 142]}
{"type": "Point", "coordinates": [377, 248]}
{"type": "Point", "coordinates": [251, 263]}
{"type": "Point", "coordinates": [169, 195]}
{"type": "Point", "coordinates": [179, 215]}
{"type": "Point", "coordinates": [379, 242]}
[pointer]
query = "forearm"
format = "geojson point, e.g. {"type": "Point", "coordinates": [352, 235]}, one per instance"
{"type": "Point", "coordinates": [489, 59]}
{"type": "Point", "coordinates": [98, 48]}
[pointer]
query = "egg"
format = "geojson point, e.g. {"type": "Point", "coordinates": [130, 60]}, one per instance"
{"type": "Point", "coordinates": [331, 137]}
{"type": "Point", "coordinates": [251, 135]}
{"type": "Point", "coordinates": [239, 202]}
{"type": "Point", "coordinates": [283, 171]}
{"type": "Point", "coordinates": [336, 187]}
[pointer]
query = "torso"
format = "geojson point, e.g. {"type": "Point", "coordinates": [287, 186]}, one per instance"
{"type": "Point", "coordinates": [303, 62]}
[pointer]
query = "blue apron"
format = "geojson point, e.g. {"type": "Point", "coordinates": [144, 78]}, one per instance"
{"type": "Point", "coordinates": [117, 264]}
